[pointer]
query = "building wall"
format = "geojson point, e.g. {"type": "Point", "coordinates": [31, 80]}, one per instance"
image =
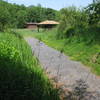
{"type": "Point", "coordinates": [31, 26]}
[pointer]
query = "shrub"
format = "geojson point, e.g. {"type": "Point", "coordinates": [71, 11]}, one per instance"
{"type": "Point", "coordinates": [8, 52]}
{"type": "Point", "coordinates": [72, 22]}
{"type": "Point", "coordinates": [93, 11]}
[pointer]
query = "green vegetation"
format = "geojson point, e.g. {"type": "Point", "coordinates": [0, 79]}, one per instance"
{"type": "Point", "coordinates": [93, 11]}
{"type": "Point", "coordinates": [77, 35]}
{"type": "Point", "coordinates": [21, 76]}
{"type": "Point", "coordinates": [16, 16]}
{"type": "Point", "coordinates": [85, 51]}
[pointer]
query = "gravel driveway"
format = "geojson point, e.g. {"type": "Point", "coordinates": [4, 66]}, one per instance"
{"type": "Point", "coordinates": [66, 70]}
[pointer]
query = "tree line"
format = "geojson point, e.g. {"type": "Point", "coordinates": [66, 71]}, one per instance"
{"type": "Point", "coordinates": [15, 16]}
{"type": "Point", "coordinates": [72, 20]}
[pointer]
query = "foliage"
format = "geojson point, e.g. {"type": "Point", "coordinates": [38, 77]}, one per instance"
{"type": "Point", "coordinates": [8, 52]}
{"type": "Point", "coordinates": [38, 14]}
{"type": "Point", "coordinates": [20, 74]}
{"type": "Point", "coordinates": [93, 11]}
{"type": "Point", "coordinates": [16, 16]}
{"type": "Point", "coordinates": [72, 22]}
{"type": "Point", "coordinates": [80, 22]}
{"type": "Point", "coordinates": [4, 16]}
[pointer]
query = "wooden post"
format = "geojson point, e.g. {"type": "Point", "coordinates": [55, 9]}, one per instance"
{"type": "Point", "coordinates": [38, 28]}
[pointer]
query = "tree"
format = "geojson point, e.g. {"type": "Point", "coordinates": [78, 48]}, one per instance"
{"type": "Point", "coordinates": [15, 16]}
{"type": "Point", "coordinates": [21, 18]}
{"type": "Point", "coordinates": [4, 16]}
{"type": "Point", "coordinates": [50, 14]}
{"type": "Point", "coordinates": [72, 22]}
{"type": "Point", "coordinates": [93, 11]}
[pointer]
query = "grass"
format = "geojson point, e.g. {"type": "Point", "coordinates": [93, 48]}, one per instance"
{"type": "Point", "coordinates": [88, 54]}
{"type": "Point", "coordinates": [21, 76]}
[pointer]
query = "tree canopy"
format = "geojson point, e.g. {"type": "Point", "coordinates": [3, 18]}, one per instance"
{"type": "Point", "coordinates": [14, 15]}
{"type": "Point", "coordinates": [93, 11]}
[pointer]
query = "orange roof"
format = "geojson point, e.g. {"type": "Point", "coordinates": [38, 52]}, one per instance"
{"type": "Point", "coordinates": [48, 22]}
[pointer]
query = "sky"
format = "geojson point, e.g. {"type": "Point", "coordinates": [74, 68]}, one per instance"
{"type": "Point", "coordinates": [55, 4]}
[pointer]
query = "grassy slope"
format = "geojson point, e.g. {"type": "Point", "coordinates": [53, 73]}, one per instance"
{"type": "Point", "coordinates": [24, 77]}
{"type": "Point", "coordinates": [87, 54]}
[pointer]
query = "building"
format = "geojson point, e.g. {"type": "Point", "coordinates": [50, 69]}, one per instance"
{"type": "Point", "coordinates": [48, 24]}
{"type": "Point", "coordinates": [31, 25]}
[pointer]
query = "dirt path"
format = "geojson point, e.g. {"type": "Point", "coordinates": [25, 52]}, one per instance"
{"type": "Point", "coordinates": [59, 65]}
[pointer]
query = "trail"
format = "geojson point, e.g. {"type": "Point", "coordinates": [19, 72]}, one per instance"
{"type": "Point", "coordinates": [60, 66]}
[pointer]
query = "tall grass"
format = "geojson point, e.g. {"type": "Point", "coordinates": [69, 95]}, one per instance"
{"type": "Point", "coordinates": [21, 76]}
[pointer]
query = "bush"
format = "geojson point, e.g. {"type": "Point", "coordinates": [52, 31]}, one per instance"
{"type": "Point", "coordinates": [93, 11]}
{"type": "Point", "coordinates": [21, 77]}
{"type": "Point", "coordinates": [8, 52]}
{"type": "Point", "coordinates": [72, 22]}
